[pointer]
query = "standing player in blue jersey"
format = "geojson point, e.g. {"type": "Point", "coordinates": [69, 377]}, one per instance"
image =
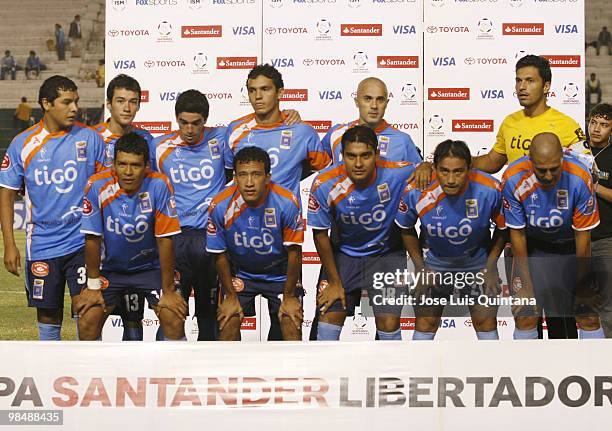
{"type": "Point", "coordinates": [257, 225]}
{"type": "Point", "coordinates": [123, 102]}
{"type": "Point", "coordinates": [288, 145]}
{"type": "Point", "coordinates": [131, 209]}
{"type": "Point", "coordinates": [455, 212]}
{"type": "Point", "coordinates": [550, 208]}
{"type": "Point", "coordinates": [371, 100]}
{"type": "Point", "coordinates": [358, 200]}
{"type": "Point", "coordinates": [53, 159]}
{"type": "Point", "coordinates": [193, 159]}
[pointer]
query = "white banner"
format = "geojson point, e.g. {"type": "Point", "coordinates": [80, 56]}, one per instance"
{"type": "Point", "coordinates": [358, 386]}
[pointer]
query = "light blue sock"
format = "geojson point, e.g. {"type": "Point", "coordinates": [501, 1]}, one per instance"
{"type": "Point", "coordinates": [418, 335]}
{"type": "Point", "coordinates": [159, 335]}
{"type": "Point", "coordinates": [132, 333]}
{"type": "Point", "coordinates": [490, 335]}
{"type": "Point", "coordinates": [49, 332]}
{"type": "Point", "coordinates": [591, 335]}
{"type": "Point", "coordinates": [525, 334]}
{"type": "Point", "coordinates": [395, 335]}
{"type": "Point", "coordinates": [328, 332]}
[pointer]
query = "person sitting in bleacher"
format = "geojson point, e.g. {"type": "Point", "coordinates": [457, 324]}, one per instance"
{"type": "Point", "coordinates": [33, 66]}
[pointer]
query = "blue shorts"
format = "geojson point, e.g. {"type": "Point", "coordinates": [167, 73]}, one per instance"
{"type": "Point", "coordinates": [129, 290]}
{"type": "Point", "coordinates": [359, 273]}
{"type": "Point", "coordinates": [45, 280]}
{"type": "Point", "coordinates": [195, 269]}
{"type": "Point", "coordinates": [247, 290]}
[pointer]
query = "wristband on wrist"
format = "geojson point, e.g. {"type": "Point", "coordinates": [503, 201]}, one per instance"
{"type": "Point", "coordinates": [94, 283]}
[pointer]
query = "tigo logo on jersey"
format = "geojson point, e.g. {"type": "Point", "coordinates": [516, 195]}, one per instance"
{"type": "Point", "coordinates": [455, 234]}
{"type": "Point", "coordinates": [361, 29]}
{"type": "Point", "coordinates": [566, 28]}
{"type": "Point", "coordinates": [198, 176]}
{"type": "Point", "coordinates": [124, 64]}
{"type": "Point", "coordinates": [295, 95]}
{"type": "Point", "coordinates": [448, 94]}
{"type": "Point", "coordinates": [132, 232]}
{"type": "Point", "coordinates": [523, 29]}
{"type": "Point", "coordinates": [191, 31]}
{"type": "Point", "coordinates": [87, 207]}
{"type": "Point", "coordinates": [244, 30]}
{"type": "Point", "coordinates": [282, 62]}
{"type": "Point", "coordinates": [6, 163]}
{"type": "Point", "coordinates": [472, 125]}
{"type": "Point", "coordinates": [62, 179]}
{"type": "Point", "coordinates": [563, 60]}
{"type": "Point", "coordinates": [443, 61]}
{"type": "Point", "coordinates": [40, 269]}
{"type": "Point", "coordinates": [492, 94]}
{"type": "Point", "coordinates": [321, 126]}
{"type": "Point", "coordinates": [397, 61]}
{"type": "Point", "coordinates": [261, 244]}
{"type": "Point", "coordinates": [370, 221]}
{"type": "Point", "coordinates": [236, 62]}
{"type": "Point", "coordinates": [404, 29]}
{"type": "Point", "coordinates": [154, 127]}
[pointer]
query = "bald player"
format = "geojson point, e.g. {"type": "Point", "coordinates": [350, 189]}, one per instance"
{"type": "Point", "coordinates": [371, 100]}
{"type": "Point", "coordinates": [550, 208]}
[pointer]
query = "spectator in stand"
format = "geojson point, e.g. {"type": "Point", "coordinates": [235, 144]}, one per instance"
{"type": "Point", "coordinates": [604, 39]}
{"type": "Point", "coordinates": [74, 34]}
{"type": "Point", "coordinates": [22, 115]}
{"type": "Point", "coordinates": [593, 92]}
{"type": "Point", "coordinates": [60, 42]}
{"type": "Point", "coordinates": [8, 65]}
{"type": "Point", "coordinates": [33, 66]}
{"type": "Point", "coordinates": [100, 74]}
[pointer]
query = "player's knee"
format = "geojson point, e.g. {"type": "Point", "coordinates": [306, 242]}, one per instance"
{"type": "Point", "coordinates": [589, 322]}
{"type": "Point", "coordinates": [90, 324]}
{"type": "Point", "coordinates": [173, 326]}
{"type": "Point", "coordinates": [387, 323]}
{"type": "Point", "coordinates": [289, 330]}
{"type": "Point", "coordinates": [484, 323]}
{"type": "Point", "coordinates": [50, 316]}
{"type": "Point", "coordinates": [526, 322]}
{"type": "Point", "coordinates": [333, 318]}
{"type": "Point", "coordinates": [231, 330]}
{"type": "Point", "coordinates": [427, 324]}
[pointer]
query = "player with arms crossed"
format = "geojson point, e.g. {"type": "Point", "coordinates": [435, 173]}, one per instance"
{"type": "Point", "coordinates": [132, 210]}
{"type": "Point", "coordinates": [455, 212]}
{"type": "Point", "coordinates": [193, 160]}
{"type": "Point", "coordinates": [371, 100]}
{"type": "Point", "coordinates": [550, 208]}
{"type": "Point", "coordinates": [53, 159]}
{"type": "Point", "coordinates": [257, 225]}
{"type": "Point", "coordinates": [358, 200]}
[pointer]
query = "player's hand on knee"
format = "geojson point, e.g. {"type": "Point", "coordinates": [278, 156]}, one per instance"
{"type": "Point", "coordinates": [12, 260]}
{"type": "Point", "coordinates": [89, 298]}
{"type": "Point", "coordinates": [422, 175]}
{"type": "Point", "coordinates": [526, 291]}
{"type": "Point", "coordinates": [175, 303]}
{"type": "Point", "coordinates": [332, 293]}
{"type": "Point", "coordinates": [291, 117]}
{"type": "Point", "coordinates": [292, 308]}
{"type": "Point", "coordinates": [491, 282]}
{"type": "Point", "coordinates": [230, 307]}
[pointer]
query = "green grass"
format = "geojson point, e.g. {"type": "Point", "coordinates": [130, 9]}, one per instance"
{"type": "Point", "coordinates": [17, 320]}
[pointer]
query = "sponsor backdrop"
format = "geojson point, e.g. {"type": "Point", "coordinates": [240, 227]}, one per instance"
{"type": "Point", "coordinates": [173, 385]}
{"type": "Point", "coordinates": [465, 49]}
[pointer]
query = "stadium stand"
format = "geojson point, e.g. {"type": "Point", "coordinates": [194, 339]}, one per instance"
{"type": "Point", "coordinates": [598, 14]}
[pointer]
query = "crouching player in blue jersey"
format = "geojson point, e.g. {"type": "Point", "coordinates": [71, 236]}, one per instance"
{"type": "Point", "coordinates": [455, 212]}
{"type": "Point", "coordinates": [193, 160]}
{"type": "Point", "coordinates": [132, 210]}
{"type": "Point", "coordinates": [257, 225]}
{"type": "Point", "coordinates": [358, 200]}
{"type": "Point", "coordinates": [550, 208]}
{"type": "Point", "coordinates": [53, 159]}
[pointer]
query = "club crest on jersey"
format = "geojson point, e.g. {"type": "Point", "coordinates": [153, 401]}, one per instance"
{"type": "Point", "coordinates": [37, 291]}
{"type": "Point", "coordinates": [40, 269]}
{"type": "Point", "coordinates": [471, 208]}
{"type": "Point", "coordinates": [383, 145]}
{"type": "Point", "coordinates": [211, 229]}
{"type": "Point", "coordinates": [238, 284]}
{"type": "Point", "coordinates": [285, 141]}
{"type": "Point", "coordinates": [6, 163]}
{"type": "Point", "coordinates": [384, 195]}
{"type": "Point", "coordinates": [213, 146]}
{"type": "Point", "coordinates": [145, 202]}
{"type": "Point", "coordinates": [403, 208]}
{"type": "Point", "coordinates": [87, 207]}
{"type": "Point", "coordinates": [562, 199]}
{"type": "Point", "coordinates": [313, 204]}
{"type": "Point", "coordinates": [81, 151]}
{"type": "Point", "coordinates": [270, 217]}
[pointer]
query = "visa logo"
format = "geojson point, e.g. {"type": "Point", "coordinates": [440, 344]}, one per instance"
{"type": "Point", "coordinates": [169, 96]}
{"type": "Point", "coordinates": [124, 64]}
{"type": "Point", "coordinates": [404, 29]}
{"type": "Point", "coordinates": [330, 95]}
{"type": "Point", "coordinates": [282, 62]}
{"type": "Point", "coordinates": [447, 323]}
{"type": "Point", "coordinates": [566, 28]}
{"type": "Point", "coordinates": [492, 94]}
{"type": "Point", "coordinates": [116, 322]}
{"type": "Point", "coordinates": [244, 30]}
{"type": "Point", "coordinates": [444, 61]}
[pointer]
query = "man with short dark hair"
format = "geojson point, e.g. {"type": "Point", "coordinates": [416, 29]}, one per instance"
{"type": "Point", "coordinates": [8, 65]}
{"type": "Point", "coordinates": [257, 225]}
{"type": "Point", "coordinates": [132, 210]}
{"type": "Point", "coordinates": [54, 160]}
{"type": "Point", "coordinates": [33, 66]}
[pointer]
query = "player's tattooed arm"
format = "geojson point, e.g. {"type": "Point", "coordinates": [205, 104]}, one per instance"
{"type": "Point", "coordinates": [12, 258]}
{"type": "Point", "coordinates": [290, 305]}
{"type": "Point", "coordinates": [334, 291]}
{"type": "Point", "coordinates": [230, 307]}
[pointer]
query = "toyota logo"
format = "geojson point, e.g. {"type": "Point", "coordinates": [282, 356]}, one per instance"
{"type": "Point", "coordinates": [432, 29]}
{"type": "Point", "coordinates": [308, 62]}
{"type": "Point", "coordinates": [270, 30]}
{"type": "Point", "coordinates": [149, 63]}
{"type": "Point", "coordinates": [113, 33]}
{"type": "Point", "coordinates": [470, 60]}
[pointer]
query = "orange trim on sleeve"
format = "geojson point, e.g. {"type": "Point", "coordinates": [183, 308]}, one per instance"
{"type": "Point", "coordinates": [318, 159]}
{"type": "Point", "coordinates": [281, 191]}
{"type": "Point", "coordinates": [332, 173]}
{"type": "Point", "coordinates": [295, 236]}
{"type": "Point", "coordinates": [165, 225]}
